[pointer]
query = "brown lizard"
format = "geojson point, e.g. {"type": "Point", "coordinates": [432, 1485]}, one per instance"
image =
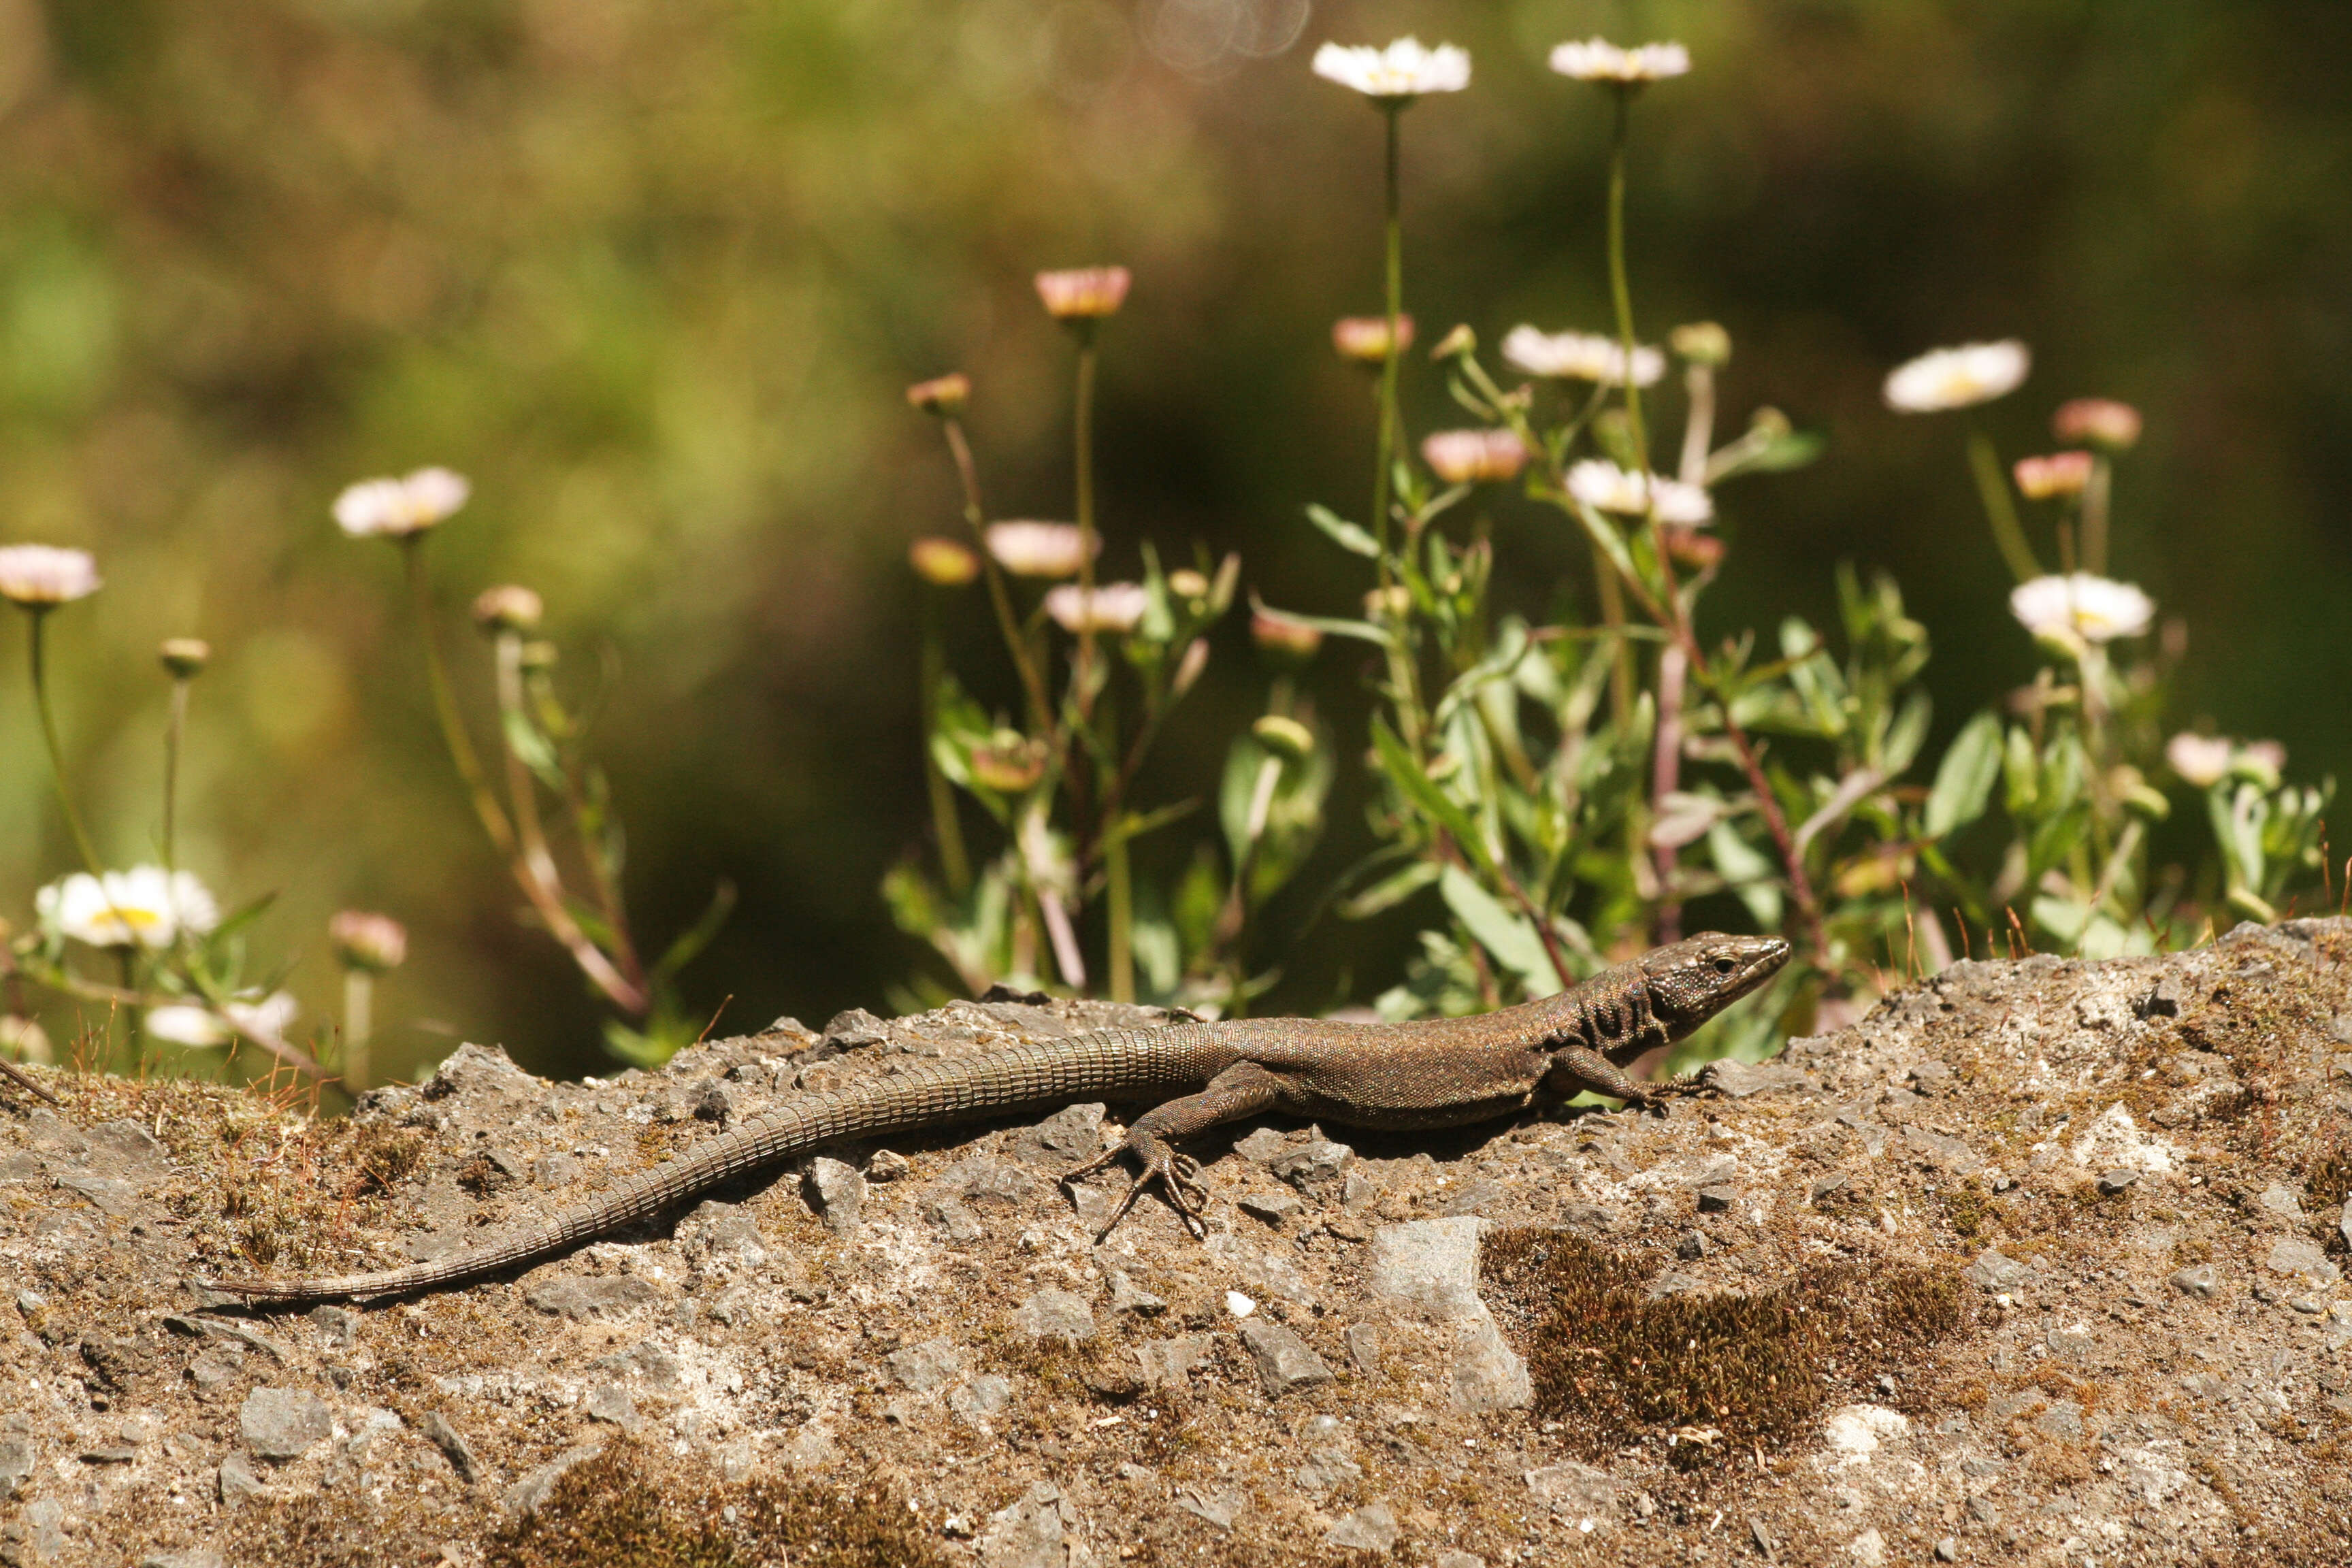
{"type": "Point", "coordinates": [1442, 1072]}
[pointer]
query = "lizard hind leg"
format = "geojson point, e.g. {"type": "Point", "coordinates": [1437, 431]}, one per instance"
{"type": "Point", "coordinates": [1177, 1176]}
{"type": "Point", "coordinates": [1244, 1089]}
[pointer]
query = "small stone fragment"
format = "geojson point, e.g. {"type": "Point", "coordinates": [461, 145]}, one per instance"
{"type": "Point", "coordinates": [952, 1220]}
{"type": "Point", "coordinates": [2294, 1255]}
{"type": "Point", "coordinates": [1055, 1315]}
{"type": "Point", "coordinates": [985, 1397]}
{"type": "Point", "coordinates": [1284, 1361]}
{"type": "Point", "coordinates": [1325, 1469]}
{"type": "Point", "coordinates": [1487, 1374]}
{"type": "Point", "coordinates": [1321, 1164]}
{"type": "Point", "coordinates": [1273, 1207]}
{"type": "Point", "coordinates": [850, 1031]}
{"type": "Point", "coordinates": [2281, 1201]}
{"type": "Point", "coordinates": [839, 1193]}
{"type": "Point", "coordinates": [193, 1557]}
{"type": "Point", "coordinates": [927, 1367]}
{"type": "Point", "coordinates": [17, 1461]}
{"type": "Point", "coordinates": [525, 1496]}
{"type": "Point", "coordinates": [1947, 1550]}
{"type": "Point", "coordinates": [1371, 1528]}
{"type": "Point", "coordinates": [1994, 1270]}
{"type": "Point", "coordinates": [284, 1423]}
{"type": "Point", "coordinates": [1029, 1532]}
{"type": "Point", "coordinates": [714, 1101]}
{"type": "Point", "coordinates": [238, 1481]}
{"type": "Point", "coordinates": [586, 1299]}
{"type": "Point", "coordinates": [1762, 1537]}
{"type": "Point", "coordinates": [887, 1165]}
{"type": "Point", "coordinates": [1579, 1494]}
{"type": "Point", "coordinates": [437, 1431]}
{"type": "Point", "coordinates": [1071, 1136]}
{"type": "Point", "coordinates": [339, 1326]}
{"type": "Point", "coordinates": [1169, 1362]}
{"type": "Point", "coordinates": [1717, 1199]}
{"type": "Point", "coordinates": [1127, 1297]}
{"type": "Point", "coordinates": [2117, 1181]}
{"type": "Point", "coordinates": [612, 1402]}
{"type": "Point", "coordinates": [1741, 1080]}
{"type": "Point", "coordinates": [2199, 1280]}
{"type": "Point", "coordinates": [1219, 1508]}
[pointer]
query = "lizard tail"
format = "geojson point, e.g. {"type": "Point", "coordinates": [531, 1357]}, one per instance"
{"type": "Point", "coordinates": [935, 1094]}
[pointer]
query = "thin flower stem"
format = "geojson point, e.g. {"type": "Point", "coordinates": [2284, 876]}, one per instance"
{"type": "Point", "coordinates": [1384, 446]}
{"type": "Point", "coordinates": [1619, 290]}
{"type": "Point", "coordinates": [1120, 890]}
{"type": "Point", "coordinates": [174, 727]}
{"type": "Point", "coordinates": [1665, 777]}
{"type": "Point", "coordinates": [358, 1008]}
{"type": "Point", "coordinates": [955, 862]}
{"type": "Point", "coordinates": [2095, 515]}
{"type": "Point", "coordinates": [1041, 708]}
{"type": "Point", "coordinates": [522, 792]}
{"type": "Point", "coordinates": [1699, 434]}
{"type": "Point", "coordinates": [40, 615]}
{"type": "Point", "coordinates": [2000, 511]}
{"type": "Point", "coordinates": [1083, 420]}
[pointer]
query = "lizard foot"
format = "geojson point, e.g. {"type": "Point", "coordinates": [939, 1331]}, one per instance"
{"type": "Point", "coordinates": [1177, 1175]}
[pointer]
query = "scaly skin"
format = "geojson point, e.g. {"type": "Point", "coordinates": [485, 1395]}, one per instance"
{"type": "Point", "coordinates": [1436, 1073]}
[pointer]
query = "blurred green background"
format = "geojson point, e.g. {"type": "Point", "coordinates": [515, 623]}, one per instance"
{"type": "Point", "coordinates": [655, 272]}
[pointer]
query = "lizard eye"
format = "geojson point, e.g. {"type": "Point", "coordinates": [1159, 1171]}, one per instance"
{"type": "Point", "coordinates": [1723, 966]}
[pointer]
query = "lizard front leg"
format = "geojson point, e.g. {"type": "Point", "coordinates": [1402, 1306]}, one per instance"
{"type": "Point", "coordinates": [1575, 1068]}
{"type": "Point", "coordinates": [1244, 1089]}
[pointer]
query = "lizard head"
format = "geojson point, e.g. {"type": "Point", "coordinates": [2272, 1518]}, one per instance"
{"type": "Point", "coordinates": [1690, 982]}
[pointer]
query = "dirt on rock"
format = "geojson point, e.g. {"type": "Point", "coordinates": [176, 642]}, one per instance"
{"type": "Point", "coordinates": [2038, 1262]}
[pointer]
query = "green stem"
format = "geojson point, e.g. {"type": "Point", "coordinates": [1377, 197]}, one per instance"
{"type": "Point", "coordinates": [172, 729]}
{"type": "Point", "coordinates": [56, 752]}
{"type": "Point", "coordinates": [1120, 890]}
{"type": "Point", "coordinates": [1619, 290]}
{"type": "Point", "coordinates": [1041, 708]}
{"type": "Point", "coordinates": [1385, 445]}
{"type": "Point", "coordinates": [2000, 511]}
{"type": "Point", "coordinates": [444, 704]}
{"type": "Point", "coordinates": [359, 999]}
{"type": "Point", "coordinates": [955, 864]}
{"type": "Point", "coordinates": [1084, 434]}
{"type": "Point", "coordinates": [2095, 515]}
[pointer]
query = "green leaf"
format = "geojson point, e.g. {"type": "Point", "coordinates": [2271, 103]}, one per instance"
{"type": "Point", "coordinates": [1363, 631]}
{"type": "Point", "coordinates": [1604, 534]}
{"type": "Point", "coordinates": [1417, 786]}
{"type": "Point", "coordinates": [526, 742]}
{"type": "Point", "coordinates": [1751, 875]}
{"type": "Point", "coordinates": [1906, 735]}
{"type": "Point", "coordinates": [696, 937]}
{"type": "Point", "coordinates": [1794, 450]}
{"type": "Point", "coordinates": [1964, 779]}
{"type": "Point", "coordinates": [1390, 890]}
{"type": "Point", "coordinates": [1342, 532]}
{"type": "Point", "coordinates": [1503, 932]}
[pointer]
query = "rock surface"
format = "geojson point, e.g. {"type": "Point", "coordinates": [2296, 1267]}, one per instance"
{"type": "Point", "coordinates": [2132, 1177]}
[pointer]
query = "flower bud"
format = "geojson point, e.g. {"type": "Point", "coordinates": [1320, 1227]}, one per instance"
{"type": "Point", "coordinates": [539, 656]}
{"type": "Point", "coordinates": [944, 396]}
{"type": "Point", "coordinates": [1286, 738]}
{"type": "Point", "coordinates": [1692, 549]}
{"type": "Point", "coordinates": [1702, 342]}
{"type": "Point", "coordinates": [2059, 474]}
{"type": "Point", "coordinates": [1187, 584]}
{"type": "Point", "coordinates": [369, 942]}
{"type": "Point", "coordinates": [2100, 422]}
{"type": "Point", "coordinates": [1365, 339]}
{"type": "Point", "coordinates": [1769, 423]}
{"type": "Point", "coordinates": [1188, 667]}
{"type": "Point", "coordinates": [1009, 764]}
{"type": "Point", "coordinates": [185, 658]}
{"type": "Point", "coordinates": [942, 562]}
{"type": "Point", "coordinates": [511, 608]}
{"type": "Point", "coordinates": [1395, 602]}
{"type": "Point", "coordinates": [1286, 641]}
{"type": "Point", "coordinates": [1083, 293]}
{"type": "Point", "coordinates": [2200, 760]}
{"type": "Point", "coordinates": [1469, 457]}
{"type": "Point", "coordinates": [1457, 343]}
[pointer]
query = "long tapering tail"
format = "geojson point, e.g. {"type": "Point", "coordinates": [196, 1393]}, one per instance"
{"type": "Point", "coordinates": [932, 1094]}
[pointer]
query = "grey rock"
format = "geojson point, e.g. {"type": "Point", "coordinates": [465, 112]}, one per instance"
{"type": "Point", "coordinates": [1168, 1363]}
{"type": "Point", "coordinates": [17, 1460]}
{"type": "Point", "coordinates": [193, 1557]}
{"type": "Point", "coordinates": [1822, 1186]}
{"type": "Point", "coordinates": [1325, 1469]}
{"type": "Point", "coordinates": [1460, 1559]}
{"type": "Point", "coordinates": [927, 1367]}
{"type": "Point", "coordinates": [1675, 1282]}
{"type": "Point", "coordinates": [1589, 1219]}
{"type": "Point", "coordinates": [1273, 1207]}
{"type": "Point", "coordinates": [1219, 1508]}
{"type": "Point", "coordinates": [436, 1430]}
{"type": "Point", "coordinates": [2344, 1224]}
{"type": "Point", "coordinates": [1284, 1361]}
{"type": "Point", "coordinates": [1272, 1276]}
{"type": "Point", "coordinates": [238, 1481]}
{"type": "Point", "coordinates": [1363, 1347]}
{"type": "Point", "coordinates": [1265, 1145]}
{"type": "Point", "coordinates": [2200, 1281]}
{"type": "Point", "coordinates": [525, 1496]}
{"type": "Point", "coordinates": [988, 1183]}
{"type": "Point", "coordinates": [1055, 1315]}
{"type": "Point", "coordinates": [1487, 1374]}
{"type": "Point", "coordinates": [985, 1397]}
{"type": "Point", "coordinates": [2118, 1181]}
{"type": "Point", "coordinates": [1371, 1528]}
{"type": "Point", "coordinates": [2161, 1001]}
{"type": "Point", "coordinates": [2281, 1201]}
{"type": "Point", "coordinates": [853, 1030]}
{"type": "Point", "coordinates": [591, 1298]}
{"type": "Point", "coordinates": [1995, 1270]}
{"type": "Point", "coordinates": [337, 1326]}
{"type": "Point", "coordinates": [1478, 1197]}
{"type": "Point", "coordinates": [1071, 1136]}
{"type": "Point", "coordinates": [1031, 1531]}
{"type": "Point", "coordinates": [1762, 1537]}
{"type": "Point", "coordinates": [1428, 1267]}
{"type": "Point", "coordinates": [1741, 1080]}
{"type": "Point", "coordinates": [1692, 1246]}
{"type": "Point", "coordinates": [1715, 1200]}
{"type": "Point", "coordinates": [1576, 1493]}
{"type": "Point", "coordinates": [838, 1191]}
{"type": "Point", "coordinates": [953, 1221]}
{"type": "Point", "coordinates": [35, 1535]}
{"type": "Point", "coordinates": [551, 1170]}
{"type": "Point", "coordinates": [1321, 1164]}
{"type": "Point", "coordinates": [284, 1423]}
{"type": "Point", "coordinates": [714, 1101]}
{"type": "Point", "coordinates": [612, 1402]}
{"type": "Point", "coordinates": [720, 1237]}
{"type": "Point", "coordinates": [2063, 1419]}
{"type": "Point", "coordinates": [2294, 1255]}
{"type": "Point", "coordinates": [1128, 1298]}
{"type": "Point", "coordinates": [887, 1165]}
{"type": "Point", "coordinates": [1947, 1550]}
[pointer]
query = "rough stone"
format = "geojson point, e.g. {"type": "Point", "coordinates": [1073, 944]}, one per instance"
{"type": "Point", "coordinates": [2295, 1255]}
{"type": "Point", "coordinates": [839, 1190]}
{"type": "Point", "coordinates": [437, 1429]}
{"type": "Point", "coordinates": [1071, 1136]}
{"type": "Point", "coordinates": [1055, 1315]}
{"type": "Point", "coordinates": [1168, 1362]}
{"type": "Point", "coordinates": [1320, 1164]}
{"type": "Point", "coordinates": [1487, 1374]}
{"type": "Point", "coordinates": [927, 1367]}
{"type": "Point", "coordinates": [1272, 1207]}
{"type": "Point", "coordinates": [1030, 1532]}
{"type": "Point", "coordinates": [2199, 1279]}
{"type": "Point", "coordinates": [1428, 1267]}
{"type": "Point", "coordinates": [239, 1480]}
{"type": "Point", "coordinates": [525, 1496]}
{"type": "Point", "coordinates": [18, 1458]}
{"type": "Point", "coordinates": [284, 1423]}
{"type": "Point", "coordinates": [1284, 1361]}
{"type": "Point", "coordinates": [594, 1298]}
{"type": "Point", "coordinates": [1579, 1494]}
{"type": "Point", "coordinates": [1995, 1270]}
{"type": "Point", "coordinates": [1129, 1298]}
{"type": "Point", "coordinates": [2113, 1183]}
{"type": "Point", "coordinates": [1371, 1528]}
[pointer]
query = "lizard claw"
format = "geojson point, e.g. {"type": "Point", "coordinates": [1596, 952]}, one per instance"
{"type": "Point", "coordinates": [1177, 1176]}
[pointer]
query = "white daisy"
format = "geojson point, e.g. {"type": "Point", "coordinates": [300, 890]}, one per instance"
{"type": "Point", "coordinates": [1038, 549]}
{"type": "Point", "coordinates": [394, 509]}
{"type": "Point", "coordinates": [1597, 59]}
{"type": "Point", "coordinates": [146, 905]}
{"type": "Point", "coordinates": [1467, 457]}
{"type": "Point", "coordinates": [1958, 378]}
{"type": "Point", "coordinates": [2200, 760]}
{"type": "Point", "coordinates": [1581, 356]}
{"type": "Point", "coordinates": [40, 575]}
{"type": "Point", "coordinates": [2096, 609]}
{"type": "Point", "coordinates": [370, 942]}
{"type": "Point", "coordinates": [1083, 293]}
{"type": "Point", "coordinates": [1113, 607]}
{"type": "Point", "coordinates": [1397, 74]}
{"type": "Point", "coordinates": [181, 1025]}
{"type": "Point", "coordinates": [1603, 485]}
